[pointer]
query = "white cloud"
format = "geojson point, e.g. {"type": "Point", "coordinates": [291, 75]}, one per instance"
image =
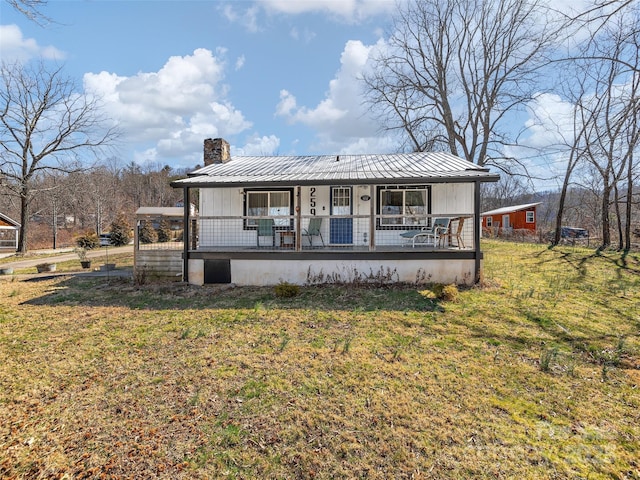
{"type": "Point", "coordinates": [306, 35]}
{"type": "Point", "coordinates": [17, 48]}
{"type": "Point", "coordinates": [347, 10]}
{"type": "Point", "coordinates": [240, 61]}
{"type": "Point", "coordinates": [173, 109]}
{"type": "Point", "coordinates": [550, 122]}
{"type": "Point", "coordinates": [265, 145]}
{"type": "Point", "coordinates": [248, 17]}
{"type": "Point", "coordinates": [341, 120]}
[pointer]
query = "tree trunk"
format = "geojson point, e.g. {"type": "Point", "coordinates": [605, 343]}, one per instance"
{"type": "Point", "coordinates": [24, 220]}
{"type": "Point", "coordinates": [628, 205]}
{"type": "Point", "coordinates": [606, 231]}
{"type": "Point", "coordinates": [616, 199]}
{"type": "Point", "coordinates": [563, 197]}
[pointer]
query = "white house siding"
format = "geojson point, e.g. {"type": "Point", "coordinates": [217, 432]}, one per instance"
{"type": "Point", "coordinates": [227, 202]}
{"type": "Point", "coordinates": [271, 272]}
{"type": "Point", "coordinates": [446, 199]}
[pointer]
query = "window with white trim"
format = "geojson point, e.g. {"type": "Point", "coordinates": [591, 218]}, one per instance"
{"type": "Point", "coordinates": [270, 204]}
{"type": "Point", "coordinates": [489, 220]}
{"type": "Point", "coordinates": [530, 216]}
{"type": "Point", "coordinates": [403, 205]}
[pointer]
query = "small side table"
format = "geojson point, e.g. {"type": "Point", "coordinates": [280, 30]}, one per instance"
{"type": "Point", "coordinates": [288, 239]}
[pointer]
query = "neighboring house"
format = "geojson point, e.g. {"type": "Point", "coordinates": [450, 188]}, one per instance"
{"type": "Point", "coordinates": [173, 216]}
{"type": "Point", "coordinates": [8, 233]}
{"type": "Point", "coordinates": [507, 219]}
{"type": "Point", "coordinates": [331, 218]}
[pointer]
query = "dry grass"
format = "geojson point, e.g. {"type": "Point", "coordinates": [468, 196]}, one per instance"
{"type": "Point", "coordinates": [534, 375]}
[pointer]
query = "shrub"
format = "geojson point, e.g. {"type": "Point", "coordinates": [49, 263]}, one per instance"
{"type": "Point", "coordinates": [286, 290]}
{"type": "Point", "coordinates": [164, 232]}
{"type": "Point", "coordinates": [88, 241]}
{"type": "Point", "coordinates": [448, 293]}
{"type": "Point", "coordinates": [120, 231]}
{"type": "Point", "coordinates": [147, 233]}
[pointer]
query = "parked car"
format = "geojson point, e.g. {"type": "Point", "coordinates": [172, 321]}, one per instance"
{"type": "Point", "coordinates": [105, 239]}
{"type": "Point", "coordinates": [573, 232]}
{"type": "Point", "coordinates": [569, 234]}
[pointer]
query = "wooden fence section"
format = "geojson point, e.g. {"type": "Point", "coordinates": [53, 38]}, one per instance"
{"type": "Point", "coordinates": [165, 264]}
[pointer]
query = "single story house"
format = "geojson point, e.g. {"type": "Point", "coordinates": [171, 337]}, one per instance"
{"type": "Point", "coordinates": [506, 219]}
{"type": "Point", "coordinates": [332, 218]}
{"type": "Point", "coordinates": [8, 233]}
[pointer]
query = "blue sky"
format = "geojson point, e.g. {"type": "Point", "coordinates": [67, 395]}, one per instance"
{"type": "Point", "coordinates": [272, 77]}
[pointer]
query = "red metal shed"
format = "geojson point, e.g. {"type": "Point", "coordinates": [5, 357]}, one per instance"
{"type": "Point", "coordinates": [516, 217]}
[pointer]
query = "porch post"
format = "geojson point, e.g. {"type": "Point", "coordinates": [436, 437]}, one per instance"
{"type": "Point", "coordinates": [476, 231]}
{"type": "Point", "coordinates": [185, 234]}
{"type": "Point", "coordinates": [372, 218]}
{"type": "Point", "coordinates": [298, 211]}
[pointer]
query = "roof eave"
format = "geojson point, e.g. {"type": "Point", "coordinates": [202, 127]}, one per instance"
{"type": "Point", "coordinates": [194, 183]}
{"type": "Point", "coordinates": [9, 220]}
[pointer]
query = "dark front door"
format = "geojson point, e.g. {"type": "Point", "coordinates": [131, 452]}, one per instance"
{"type": "Point", "coordinates": [341, 229]}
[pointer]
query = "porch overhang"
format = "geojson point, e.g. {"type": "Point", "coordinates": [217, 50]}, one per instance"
{"type": "Point", "coordinates": [246, 182]}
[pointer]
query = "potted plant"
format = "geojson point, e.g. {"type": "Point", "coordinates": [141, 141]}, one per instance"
{"type": "Point", "coordinates": [82, 255]}
{"type": "Point", "coordinates": [46, 267]}
{"type": "Point", "coordinates": [6, 270]}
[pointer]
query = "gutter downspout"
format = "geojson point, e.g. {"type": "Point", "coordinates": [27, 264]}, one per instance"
{"type": "Point", "coordinates": [185, 235]}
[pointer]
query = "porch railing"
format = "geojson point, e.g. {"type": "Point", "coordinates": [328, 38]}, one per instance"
{"type": "Point", "coordinates": [341, 232]}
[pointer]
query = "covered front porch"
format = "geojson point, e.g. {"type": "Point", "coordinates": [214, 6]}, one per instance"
{"type": "Point", "coordinates": [306, 249]}
{"type": "Point", "coordinates": [336, 233]}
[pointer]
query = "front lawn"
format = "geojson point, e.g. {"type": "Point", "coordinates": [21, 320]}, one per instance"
{"type": "Point", "coordinates": [534, 374]}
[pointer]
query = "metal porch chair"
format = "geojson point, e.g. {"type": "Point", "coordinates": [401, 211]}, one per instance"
{"type": "Point", "coordinates": [265, 229]}
{"type": "Point", "coordinates": [436, 233]}
{"type": "Point", "coordinates": [313, 230]}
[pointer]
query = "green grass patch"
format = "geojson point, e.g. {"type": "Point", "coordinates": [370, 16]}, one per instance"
{"type": "Point", "coordinates": [533, 374]}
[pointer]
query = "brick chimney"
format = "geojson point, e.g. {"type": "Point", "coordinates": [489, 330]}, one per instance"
{"type": "Point", "coordinates": [216, 150]}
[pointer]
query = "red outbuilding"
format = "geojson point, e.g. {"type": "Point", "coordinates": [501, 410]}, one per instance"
{"type": "Point", "coordinates": [507, 219]}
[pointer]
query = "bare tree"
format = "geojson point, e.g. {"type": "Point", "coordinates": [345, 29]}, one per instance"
{"type": "Point", "coordinates": [574, 143]}
{"type": "Point", "coordinates": [505, 192]}
{"type": "Point", "coordinates": [612, 128]}
{"type": "Point", "coordinates": [32, 9]}
{"type": "Point", "coordinates": [454, 69]}
{"type": "Point", "coordinates": [45, 125]}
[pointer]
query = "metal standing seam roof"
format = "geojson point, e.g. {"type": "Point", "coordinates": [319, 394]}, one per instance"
{"type": "Point", "coordinates": [338, 169]}
{"type": "Point", "coordinates": [511, 209]}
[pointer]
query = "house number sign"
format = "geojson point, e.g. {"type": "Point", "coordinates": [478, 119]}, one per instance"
{"type": "Point", "coordinates": [312, 200]}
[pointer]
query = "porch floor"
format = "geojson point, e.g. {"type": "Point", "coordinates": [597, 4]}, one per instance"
{"type": "Point", "coordinates": [334, 248]}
